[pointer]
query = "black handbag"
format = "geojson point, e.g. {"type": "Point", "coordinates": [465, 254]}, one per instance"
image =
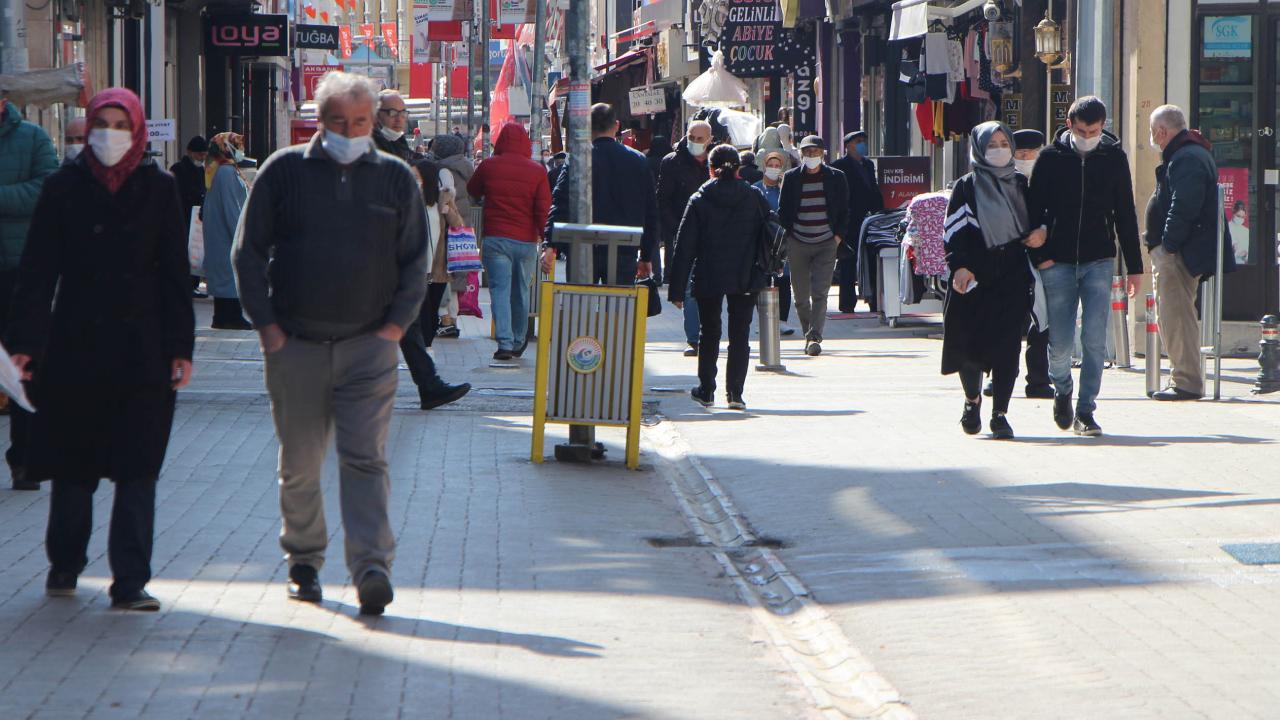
{"type": "Point", "coordinates": [772, 251]}
{"type": "Point", "coordinates": [655, 300]}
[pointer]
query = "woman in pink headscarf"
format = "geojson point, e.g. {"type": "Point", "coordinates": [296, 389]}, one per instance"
{"type": "Point", "coordinates": [102, 325]}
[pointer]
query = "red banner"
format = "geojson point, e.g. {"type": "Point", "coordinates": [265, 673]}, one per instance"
{"type": "Point", "coordinates": [311, 75]}
{"type": "Point", "coordinates": [344, 41]}
{"type": "Point", "coordinates": [902, 178]}
{"type": "Point", "coordinates": [444, 31]}
{"type": "Point", "coordinates": [366, 34]}
{"type": "Point", "coordinates": [498, 31]}
{"type": "Point", "coordinates": [392, 40]}
{"type": "Point", "coordinates": [420, 82]}
{"type": "Point", "coordinates": [458, 82]}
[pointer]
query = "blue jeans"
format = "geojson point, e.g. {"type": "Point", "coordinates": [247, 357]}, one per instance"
{"type": "Point", "coordinates": [509, 264]}
{"type": "Point", "coordinates": [692, 322]}
{"type": "Point", "coordinates": [1085, 287]}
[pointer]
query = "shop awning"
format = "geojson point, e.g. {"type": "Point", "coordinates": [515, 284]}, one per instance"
{"type": "Point", "coordinates": [911, 17]}
{"type": "Point", "coordinates": [624, 60]}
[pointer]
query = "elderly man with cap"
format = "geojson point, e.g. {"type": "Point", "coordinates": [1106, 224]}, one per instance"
{"type": "Point", "coordinates": [814, 209]}
{"type": "Point", "coordinates": [864, 200]}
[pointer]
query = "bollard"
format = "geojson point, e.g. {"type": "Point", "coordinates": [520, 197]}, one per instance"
{"type": "Point", "coordinates": [1153, 348]}
{"type": "Point", "coordinates": [1269, 357]}
{"type": "Point", "coordinates": [1120, 322]}
{"type": "Point", "coordinates": [770, 336]}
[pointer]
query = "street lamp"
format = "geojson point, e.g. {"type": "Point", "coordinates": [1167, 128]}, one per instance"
{"type": "Point", "coordinates": [1049, 43]}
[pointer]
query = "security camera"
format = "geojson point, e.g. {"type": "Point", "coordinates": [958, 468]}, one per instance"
{"type": "Point", "coordinates": [991, 10]}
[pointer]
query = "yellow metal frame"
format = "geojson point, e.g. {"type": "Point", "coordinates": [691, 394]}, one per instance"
{"type": "Point", "coordinates": [542, 375]}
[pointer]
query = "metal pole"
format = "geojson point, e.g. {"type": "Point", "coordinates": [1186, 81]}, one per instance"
{"type": "Point", "coordinates": [1120, 322]}
{"type": "Point", "coordinates": [770, 336]}
{"type": "Point", "coordinates": [485, 88]}
{"type": "Point", "coordinates": [537, 86]}
{"type": "Point", "coordinates": [1153, 348]}
{"type": "Point", "coordinates": [582, 444]}
{"type": "Point", "coordinates": [1218, 281]}
{"type": "Point", "coordinates": [471, 79]}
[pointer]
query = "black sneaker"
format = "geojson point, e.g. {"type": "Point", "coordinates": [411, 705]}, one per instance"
{"type": "Point", "coordinates": [519, 351]}
{"type": "Point", "coordinates": [232, 324]}
{"type": "Point", "coordinates": [1086, 426]}
{"type": "Point", "coordinates": [1062, 412]}
{"type": "Point", "coordinates": [60, 584]}
{"type": "Point", "coordinates": [20, 481]}
{"type": "Point", "coordinates": [691, 351]}
{"type": "Point", "coordinates": [813, 348]}
{"type": "Point", "coordinates": [140, 601]}
{"type": "Point", "coordinates": [1000, 428]}
{"type": "Point", "coordinates": [503, 355]}
{"type": "Point", "coordinates": [443, 395]}
{"type": "Point", "coordinates": [304, 584]}
{"type": "Point", "coordinates": [736, 402]}
{"type": "Point", "coordinates": [989, 390]}
{"type": "Point", "coordinates": [702, 397]}
{"type": "Point", "coordinates": [448, 332]}
{"type": "Point", "coordinates": [375, 592]}
{"type": "Point", "coordinates": [1040, 392]}
{"type": "Point", "coordinates": [971, 420]}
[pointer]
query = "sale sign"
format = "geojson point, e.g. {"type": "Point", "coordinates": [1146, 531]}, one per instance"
{"type": "Point", "coordinates": [902, 178]}
{"type": "Point", "coordinates": [751, 35]}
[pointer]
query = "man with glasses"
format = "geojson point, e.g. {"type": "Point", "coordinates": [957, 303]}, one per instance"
{"type": "Point", "coordinates": [393, 120]}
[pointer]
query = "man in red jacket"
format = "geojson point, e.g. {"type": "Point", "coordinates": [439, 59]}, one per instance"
{"type": "Point", "coordinates": [516, 199]}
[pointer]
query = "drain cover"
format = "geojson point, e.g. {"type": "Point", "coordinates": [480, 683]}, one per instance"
{"type": "Point", "coordinates": [1255, 553]}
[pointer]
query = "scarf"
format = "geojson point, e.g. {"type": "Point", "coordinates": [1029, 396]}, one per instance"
{"type": "Point", "coordinates": [1002, 208]}
{"type": "Point", "coordinates": [226, 144]}
{"type": "Point", "coordinates": [115, 176]}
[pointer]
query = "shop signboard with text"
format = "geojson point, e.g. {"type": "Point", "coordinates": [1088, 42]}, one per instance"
{"type": "Point", "coordinates": [902, 178]}
{"type": "Point", "coordinates": [750, 34]}
{"type": "Point", "coordinates": [316, 37]}
{"type": "Point", "coordinates": [253, 34]}
{"type": "Point", "coordinates": [311, 75]}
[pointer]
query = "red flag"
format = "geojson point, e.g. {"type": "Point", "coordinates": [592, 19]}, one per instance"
{"type": "Point", "coordinates": [458, 82]}
{"type": "Point", "coordinates": [389, 35]}
{"type": "Point", "coordinates": [366, 34]}
{"type": "Point", "coordinates": [324, 15]}
{"type": "Point", "coordinates": [310, 10]}
{"type": "Point", "coordinates": [420, 85]}
{"type": "Point", "coordinates": [500, 103]}
{"type": "Point", "coordinates": [344, 41]}
{"type": "Point", "coordinates": [444, 31]}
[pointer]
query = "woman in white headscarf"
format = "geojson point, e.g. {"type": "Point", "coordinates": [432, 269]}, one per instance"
{"type": "Point", "coordinates": [992, 279]}
{"type": "Point", "coordinates": [788, 144]}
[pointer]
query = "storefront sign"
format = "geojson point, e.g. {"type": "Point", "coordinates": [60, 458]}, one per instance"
{"type": "Point", "coordinates": [162, 130]}
{"type": "Point", "coordinates": [1060, 104]}
{"type": "Point", "coordinates": [1228, 37]}
{"type": "Point", "coordinates": [805, 119]}
{"type": "Point", "coordinates": [516, 12]}
{"type": "Point", "coordinates": [447, 10]}
{"type": "Point", "coordinates": [647, 101]}
{"type": "Point", "coordinates": [248, 34]}
{"type": "Point", "coordinates": [421, 39]}
{"type": "Point", "coordinates": [903, 178]}
{"type": "Point", "coordinates": [751, 35]}
{"type": "Point", "coordinates": [1011, 110]}
{"type": "Point", "coordinates": [311, 75]}
{"type": "Point", "coordinates": [1235, 200]}
{"type": "Point", "coordinates": [316, 37]}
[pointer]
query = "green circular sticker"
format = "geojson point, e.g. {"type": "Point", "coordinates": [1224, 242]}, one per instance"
{"type": "Point", "coordinates": [585, 355]}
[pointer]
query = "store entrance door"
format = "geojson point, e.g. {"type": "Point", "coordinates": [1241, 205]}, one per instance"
{"type": "Point", "coordinates": [1236, 109]}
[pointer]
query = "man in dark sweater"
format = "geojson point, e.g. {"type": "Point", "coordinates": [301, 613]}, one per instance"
{"type": "Point", "coordinates": [189, 172]}
{"type": "Point", "coordinates": [814, 208]}
{"type": "Point", "coordinates": [331, 262]}
{"type": "Point", "coordinates": [864, 200]}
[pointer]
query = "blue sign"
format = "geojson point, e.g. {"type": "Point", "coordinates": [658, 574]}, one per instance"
{"type": "Point", "coordinates": [1228, 37]}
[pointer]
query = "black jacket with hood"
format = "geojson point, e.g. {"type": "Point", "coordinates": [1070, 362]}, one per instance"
{"type": "Point", "coordinates": [1183, 214]}
{"type": "Point", "coordinates": [679, 177]}
{"type": "Point", "coordinates": [718, 241]}
{"type": "Point", "coordinates": [1086, 202]}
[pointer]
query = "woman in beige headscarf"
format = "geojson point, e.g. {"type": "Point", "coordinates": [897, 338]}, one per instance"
{"type": "Point", "coordinates": [221, 215]}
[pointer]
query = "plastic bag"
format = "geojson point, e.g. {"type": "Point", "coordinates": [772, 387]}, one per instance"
{"type": "Point", "coordinates": [195, 242]}
{"type": "Point", "coordinates": [463, 252]}
{"type": "Point", "coordinates": [469, 299]}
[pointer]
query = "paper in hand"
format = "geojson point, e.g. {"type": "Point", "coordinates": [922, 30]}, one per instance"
{"type": "Point", "coordinates": [11, 381]}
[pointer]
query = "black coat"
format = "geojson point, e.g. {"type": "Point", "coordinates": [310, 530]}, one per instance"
{"type": "Point", "coordinates": [834, 186]}
{"type": "Point", "coordinates": [719, 240]}
{"type": "Point", "coordinates": [191, 188]}
{"type": "Point", "coordinates": [621, 193]}
{"type": "Point", "coordinates": [103, 351]}
{"type": "Point", "coordinates": [750, 174]}
{"type": "Point", "coordinates": [1086, 203]}
{"type": "Point", "coordinates": [864, 192]}
{"type": "Point", "coordinates": [1183, 214]}
{"type": "Point", "coordinates": [990, 319]}
{"type": "Point", "coordinates": [679, 178]}
{"type": "Point", "coordinates": [399, 148]}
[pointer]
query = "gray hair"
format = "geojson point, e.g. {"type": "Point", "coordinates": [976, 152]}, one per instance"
{"type": "Point", "coordinates": [700, 124]}
{"type": "Point", "coordinates": [1170, 117]}
{"type": "Point", "coordinates": [388, 94]}
{"type": "Point", "coordinates": [338, 84]}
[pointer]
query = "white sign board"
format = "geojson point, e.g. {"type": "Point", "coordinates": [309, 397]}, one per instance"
{"type": "Point", "coordinates": [644, 101]}
{"type": "Point", "coordinates": [162, 130]}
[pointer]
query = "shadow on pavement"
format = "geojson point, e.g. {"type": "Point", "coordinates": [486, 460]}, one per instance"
{"type": "Point", "coordinates": [423, 629]}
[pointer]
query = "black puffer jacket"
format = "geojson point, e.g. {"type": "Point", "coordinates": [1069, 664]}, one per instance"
{"type": "Point", "coordinates": [1183, 214]}
{"type": "Point", "coordinates": [718, 241]}
{"type": "Point", "coordinates": [679, 177]}
{"type": "Point", "coordinates": [1086, 203]}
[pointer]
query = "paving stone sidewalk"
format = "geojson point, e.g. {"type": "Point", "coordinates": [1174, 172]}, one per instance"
{"type": "Point", "coordinates": [522, 591]}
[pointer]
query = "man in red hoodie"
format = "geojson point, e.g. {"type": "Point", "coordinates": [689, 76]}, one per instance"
{"type": "Point", "coordinates": [516, 199]}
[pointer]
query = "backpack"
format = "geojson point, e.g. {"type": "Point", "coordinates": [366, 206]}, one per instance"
{"type": "Point", "coordinates": [771, 254]}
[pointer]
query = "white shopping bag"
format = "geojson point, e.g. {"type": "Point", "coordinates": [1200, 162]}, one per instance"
{"type": "Point", "coordinates": [11, 381]}
{"type": "Point", "coordinates": [195, 242]}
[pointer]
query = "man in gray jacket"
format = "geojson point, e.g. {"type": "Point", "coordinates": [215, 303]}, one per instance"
{"type": "Point", "coordinates": [331, 261]}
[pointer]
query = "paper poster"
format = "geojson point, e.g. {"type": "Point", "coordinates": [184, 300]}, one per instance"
{"type": "Point", "coordinates": [902, 178]}
{"type": "Point", "coordinates": [420, 40]}
{"type": "Point", "coordinates": [1235, 198]}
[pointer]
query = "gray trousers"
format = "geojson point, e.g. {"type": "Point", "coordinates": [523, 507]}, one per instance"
{"type": "Point", "coordinates": [812, 265]}
{"type": "Point", "coordinates": [1176, 290]}
{"type": "Point", "coordinates": [316, 389]}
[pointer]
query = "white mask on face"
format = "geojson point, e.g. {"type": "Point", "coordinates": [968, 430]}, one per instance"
{"type": "Point", "coordinates": [696, 148]}
{"type": "Point", "coordinates": [773, 173]}
{"type": "Point", "coordinates": [74, 150]}
{"type": "Point", "coordinates": [109, 146]}
{"type": "Point", "coordinates": [238, 155]}
{"type": "Point", "coordinates": [812, 162]}
{"type": "Point", "coordinates": [998, 157]}
{"type": "Point", "coordinates": [391, 135]}
{"type": "Point", "coordinates": [1085, 145]}
{"type": "Point", "coordinates": [344, 150]}
{"type": "Point", "coordinates": [1238, 219]}
{"type": "Point", "coordinates": [1024, 166]}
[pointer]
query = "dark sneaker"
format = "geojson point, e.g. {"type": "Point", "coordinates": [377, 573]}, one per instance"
{"type": "Point", "coordinates": [691, 351]}
{"type": "Point", "coordinates": [1087, 426]}
{"type": "Point", "coordinates": [232, 324]}
{"type": "Point", "coordinates": [1062, 412]}
{"type": "Point", "coordinates": [813, 349]}
{"type": "Point", "coordinates": [1174, 394]}
{"type": "Point", "coordinates": [736, 402]}
{"type": "Point", "coordinates": [20, 481]}
{"type": "Point", "coordinates": [60, 584]}
{"type": "Point", "coordinates": [375, 592]}
{"type": "Point", "coordinates": [988, 391]}
{"type": "Point", "coordinates": [449, 332]}
{"type": "Point", "coordinates": [519, 351]}
{"type": "Point", "coordinates": [140, 601]}
{"type": "Point", "coordinates": [304, 584]}
{"type": "Point", "coordinates": [702, 397]}
{"type": "Point", "coordinates": [1040, 392]}
{"type": "Point", "coordinates": [971, 420]}
{"type": "Point", "coordinates": [1000, 428]}
{"type": "Point", "coordinates": [503, 355]}
{"type": "Point", "coordinates": [443, 395]}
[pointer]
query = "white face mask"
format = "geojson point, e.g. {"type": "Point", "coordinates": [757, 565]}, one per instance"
{"type": "Point", "coordinates": [1085, 145]}
{"type": "Point", "coordinates": [998, 157]}
{"type": "Point", "coordinates": [74, 150]}
{"type": "Point", "coordinates": [345, 150]}
{"type": "Point", "coordinates": [1024, 166]}
{"type": "Point", "coordinates": [1238, 219]}
{"type": "Point", "coordinates": [1154, 145]}
{"type": "Point", "coordinates": [773, 173]}
{"type": "Point", "coordinates": [109, 146]}
{"type": "Point", "coordinates": [812, 162]}
{"type": "Point", "coordinates": [238, 155]}
{"type": "Point", "coordinates": [696, 149]}
{"type": "Point", "coordinates": [391, 135]}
